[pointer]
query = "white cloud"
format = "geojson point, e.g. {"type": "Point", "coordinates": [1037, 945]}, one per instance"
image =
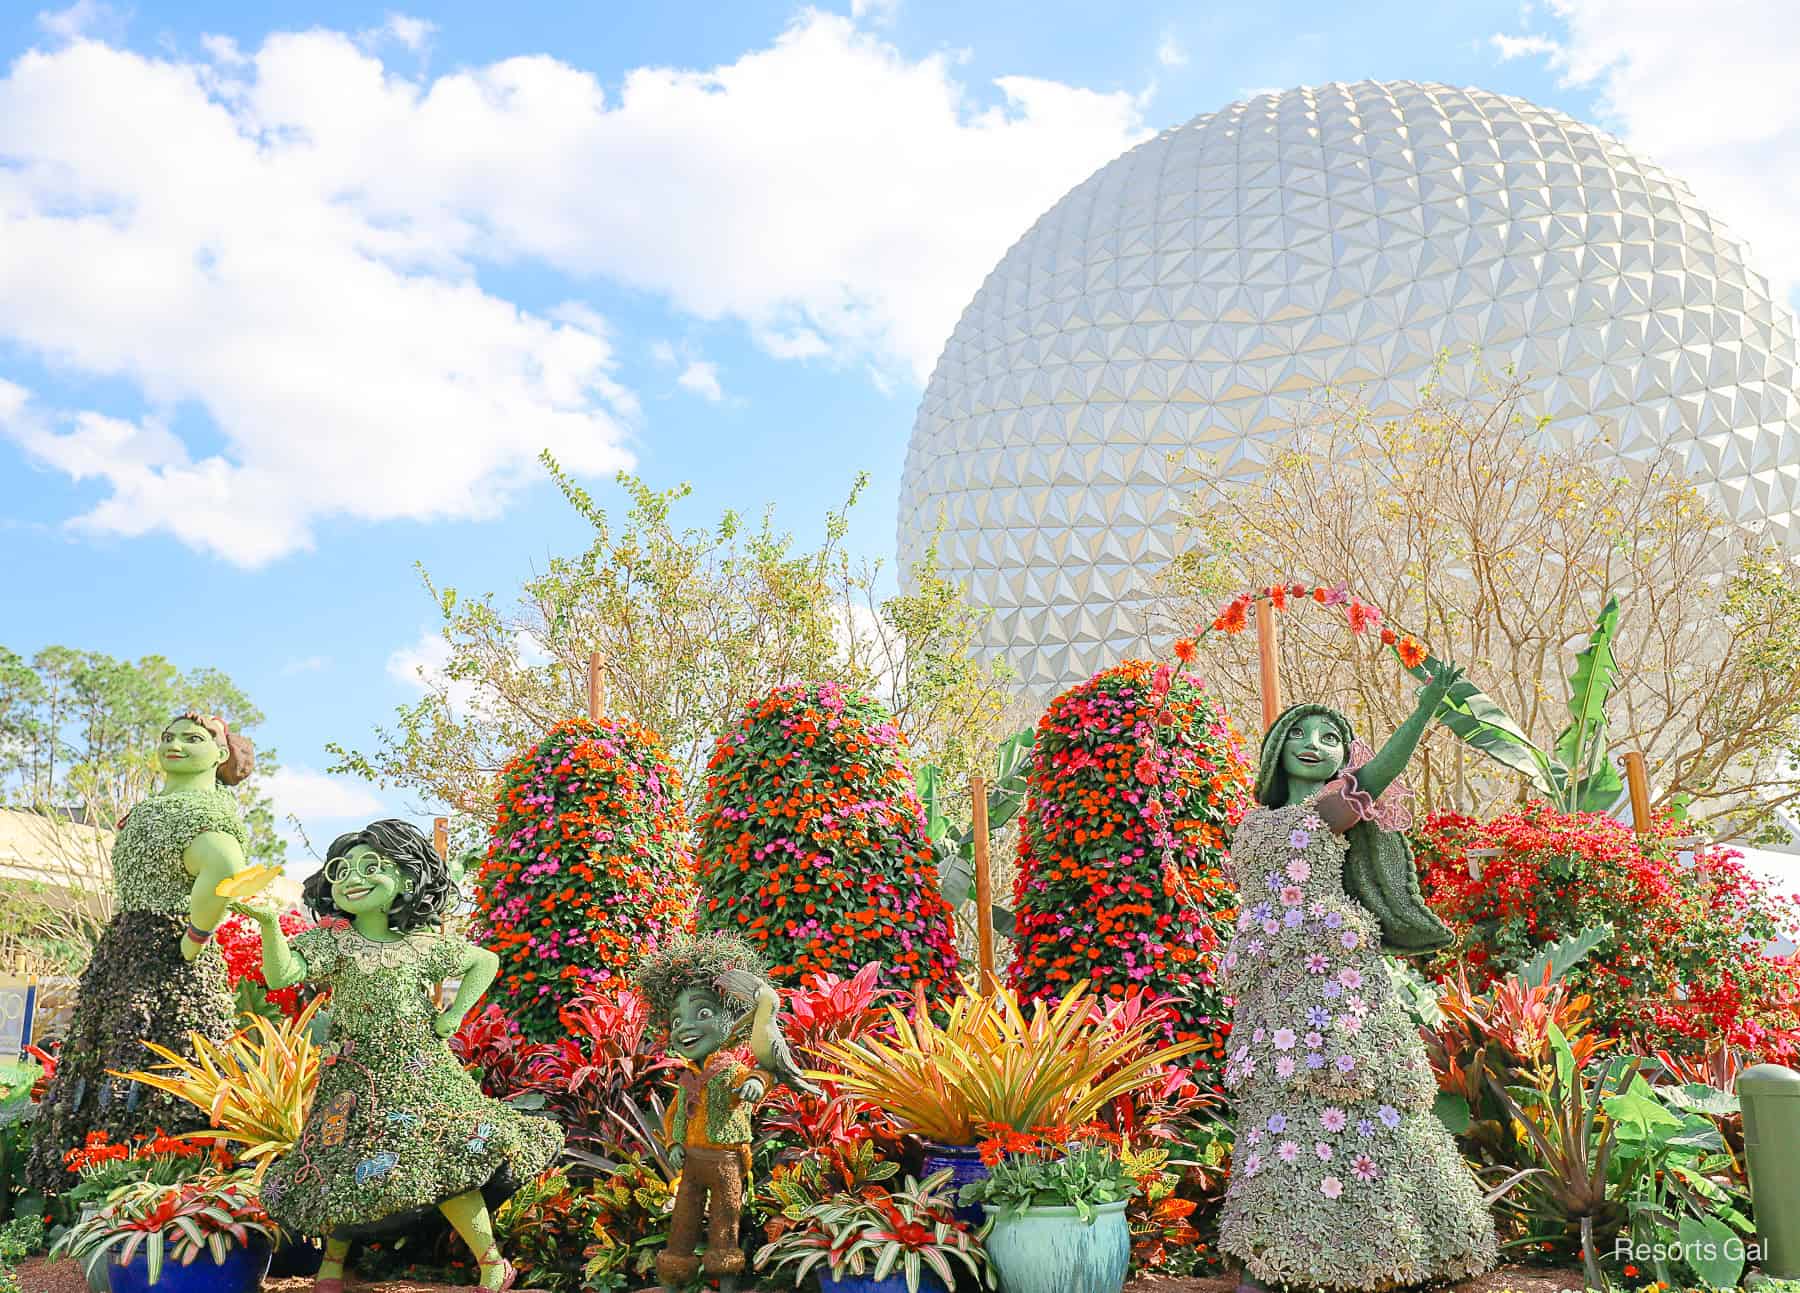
{"type": "Point", "coordinates": [84, 18]}
{"type": "Point", "coordinates": [1706, 93]}
{"type": "Point", "coordinates": [306, 664]}
{"type": "Point", "coordinates": [290, 246]}
{"type": "Point", "coordinates": [1511, 47]}
{"type": "Point", "coordinates": [308, 795]}
{"type": "Point", "coordinates": [702, 378]}
{"type": "Point", "coordinates": [874, 11]}
{"type": "Point", "coordinates": [414, 33]}
{"type": "Point", "coordinates": [1169, 51]}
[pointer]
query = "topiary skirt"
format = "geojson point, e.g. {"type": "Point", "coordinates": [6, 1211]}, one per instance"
{"type": "Point", "coordinates": [137, 988]}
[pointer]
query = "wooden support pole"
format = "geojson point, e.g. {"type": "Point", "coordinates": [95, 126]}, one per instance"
{"type": "Point", "coordinates": [1639, 781]}
{"type": "Point", "coordinates": [1267, 661]}
{"type": "Point", "coordinates": [596, 686]}
{"type": "Point", "coordinates": [984, 887]}
{"type": "Point", "coordinates": [440, 837]}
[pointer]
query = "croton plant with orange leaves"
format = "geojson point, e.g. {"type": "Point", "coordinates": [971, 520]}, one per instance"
{"type": "Point", "coordinates": [813, 842]}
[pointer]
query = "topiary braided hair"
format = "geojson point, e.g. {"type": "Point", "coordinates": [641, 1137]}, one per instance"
{"type": "Point", "coordinates": [693, 961]}
{"type": "Point", "coordinates": [432, 891]}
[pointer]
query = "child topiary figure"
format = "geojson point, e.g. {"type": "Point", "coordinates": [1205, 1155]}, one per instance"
{"type": "Point", "coordinates": [1122, 845]}
{"type": "Point", "coordinates": [590, 862]}
{"type": "Point", "coordinates": [813, 844]}
{"type": "Point", "coordinates": [709, 992]}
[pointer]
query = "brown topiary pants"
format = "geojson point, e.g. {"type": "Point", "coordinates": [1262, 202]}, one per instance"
{"type": "Point", "coordinates": [712, 1186]}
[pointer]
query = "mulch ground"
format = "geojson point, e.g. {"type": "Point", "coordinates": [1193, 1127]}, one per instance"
{"type": "Point", "coordinates": [65, 1277]}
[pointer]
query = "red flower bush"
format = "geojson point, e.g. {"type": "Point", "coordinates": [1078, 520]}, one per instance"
{"type": "Point", "coordinates": [240, 943]}
{"type": "Point", "coordinates": [813, 843]}
{"type": "Point", "coordinates": [1122, 845]}
{"type": "Point", "coordinates": [590, 864]}
{"type": "Point", "coordinates": [1685, 966]}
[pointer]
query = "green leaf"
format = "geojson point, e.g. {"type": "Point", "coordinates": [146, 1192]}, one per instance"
{"type": "Point", "coordinates": [1453, 1111]}
{"type": "Point", "coordinates": [1697, 1097]}
{"type": "Point", "coordinates": [1417, 994]}
{"type": "Point", "coordinates": [930, 781]}
{"type": "Point", "coordinates": [1485, 727]}
{"type": "Point", "coordinates": [1712, 1250]}
{"type": "Point", "coordinates": [1564, 954]}
{"type": "Point", "coordinates": [1581, 746]}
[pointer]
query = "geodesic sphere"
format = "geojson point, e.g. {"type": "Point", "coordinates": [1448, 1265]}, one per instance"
{"type": "Point", "coordinates": [1193, 294]}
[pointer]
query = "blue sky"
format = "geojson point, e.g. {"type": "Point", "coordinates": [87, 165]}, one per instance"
{"type": "Point", "coordinates": [291, 295]}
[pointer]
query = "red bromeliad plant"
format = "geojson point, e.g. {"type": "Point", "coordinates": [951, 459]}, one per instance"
{"type": "Point", "coordinates": [829, 1008]}
{"type": "Point", "coordinates": [1121, 851]}
{"type": "Point", "coordinates": [813, 843]}
{"type": "Point", "coordinates": [1683, 965]}
{"type": "Point", "coordinates": [490, 1045]}
{"type": "Point", "coordinates": [590, 863]}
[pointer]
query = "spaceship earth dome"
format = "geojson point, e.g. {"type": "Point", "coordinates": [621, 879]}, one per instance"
{"type": "Point", "coordinates": [1193, 294]}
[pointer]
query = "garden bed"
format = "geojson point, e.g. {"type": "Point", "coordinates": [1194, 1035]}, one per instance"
{"type": "Point", "coordinates": [64, 1277]}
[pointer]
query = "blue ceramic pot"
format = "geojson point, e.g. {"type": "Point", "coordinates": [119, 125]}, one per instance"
{"type": "Point", "coordinates": [1052, 1250]}
{"type": "Point", "coordinates": [829, 1283]}
{"type": "Point", "coordinates": [242, 1271]}
{"type": "Point", "coordinates": [964, 1162]}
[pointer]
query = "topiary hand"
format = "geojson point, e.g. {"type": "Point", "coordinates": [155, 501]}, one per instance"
{"type": "Point", "coordinates": [262, 914]}
{"type": "Point", "coordinates": [446, 1024]}
{"type": "Point", "coordinates": [1442, 680]}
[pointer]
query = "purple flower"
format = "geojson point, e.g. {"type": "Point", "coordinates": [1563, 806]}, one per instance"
{"type": "Point", "coordinates": [1317, 963]}
{"type": "Point", "coordinates": [1363, 1168]}
{"type": "Point", "coordinates": [1255, 1136]}
{"type": "Point", "coordinates": [1253, 1164]}
{"type": "Point", "coordinates": [1333, 919]}
{"type": "Point", "coordinates": [1318, 1016]}
{"type": "Point", "coordinates": [1284, 1039]}
{"type": "Point", "coordinates": [1331, 990]}
{"type": "Point", "coordinates": [1293, 918]}
{"type": "Point", "coordinates": [1298, 870]}
{"type": "Point", "coordinates": [1346, 1063]}
{"type": "Point", "coordinates": [1390, 1116]}
{"type": "Point", "coordinates": [1349, 940]}
{"type": "Point", "coordinates": [1364, 1127]}
{"type": "Point", "coordinates": [1315, 1061]}
{"type": "Point", "coordinates": [1314, 1040]}
{"type": "Point", "coordinates": [1333, 1118]}
{"type": "Point", "coordinates": [1284, 1067]}
{"type": "Point", "coordinates": [1350, 977]}
{"type": "Point", "coordinates": [1289, 1151]}
{"type": "Point", "coordinates": [1277, 1123]}
{"type": "Point", "coordinates": [1322, 1150]}
{"type": "Point", "coordinates": [1272, 879]}
{"type": "Point", "coordinates": [1299, 839]}
{"type": "Point", "coordinates": [1271, 926]}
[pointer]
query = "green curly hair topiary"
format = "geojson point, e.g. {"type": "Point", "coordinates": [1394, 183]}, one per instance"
{"type": "Point", "coordinates": [693, 961]}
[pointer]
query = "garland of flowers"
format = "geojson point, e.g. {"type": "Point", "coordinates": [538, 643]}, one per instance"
{"type": "Point", "coordinates": [1234, 618]}
{"type": "Point", "coordinates": [1121, 847]}
{"type": "Point", "coordinates": [590, 863]}
{"type": "Point", "coordinates": [813, 843]}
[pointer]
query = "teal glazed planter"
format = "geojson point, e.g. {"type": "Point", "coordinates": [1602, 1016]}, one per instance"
{"type": "Point", "coordinates": [966, 1167]}
{"type": "Point", "coordinates": [829, 1283]}
{"type": "Point", "coordinates": [242, 1271]}
{"type": "Point", "coordinates": [1052, 1250]}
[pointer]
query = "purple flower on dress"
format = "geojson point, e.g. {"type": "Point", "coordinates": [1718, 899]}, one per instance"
{"type": "Point", "coordinates": [1322, 1150]}
{"type": "Point", "coordinates": [1333, 1118]}
{"type": "Point", "coordinates": [1350, 1023]}
{"type": "Point", "coordinates": [1262, 911]}
{"type": "Point", "coordinates": [1313, 822]}
{"type": "Point", "coordinates": [1253, 1164]}
{"type": "Point", "coordinates": [1241, 1054]}
{"type": "Point", "coordinates": [1255, 1136]}
{"type": "Point", "coordinates": [1318, 1016]}
{"type": "Point", "coordinates": [1231, 960]}
{"type": "Point", "coordinates": [1348, 939]}
{"type": "Point", "coordinates": [1332, 990]}
{"type": "Point", "coordinates": [1245, 920]}
{"type": "Point", "coordinates": [1293, 918]}
{"type": "Point", "coordinates": [1289, 1151]}
{"type": "Point", "coordinates": [1292, 895]}
{"type": "Point", "coordinates": [1363, 1168]}
{"type": "Point", "coordinates": [1331, 1187]}
{"type": "Point", "coordinates": [1272, 879]}
{"type": "Point", "coordinates": [1317, 963]}
{"type": "Point", "coordinates": [1284, 1067]}
{"type": "Point", "coordinates": [1284, 1039]}
{"type": "Point", "coordinates": [1298, 870]}
{"type": "Point", "coordinates": [1314, 1060]}
{"type": "Point", "coordinates": [1314, 1040]}
{"type": "Point", "coordinates": [1258, 1035]}
{"type": "Point", "coordinates": [1390, 1116]}
{"type": "Point", "coordinates": [1364, 1127]}
{"type": "Point", "coordinates": [1271, 926]}
{"type": "Point", "coordinates": [1277, 1123]}
{"type": "Point", "coordinates": [1350, 977]}
{"type": "Point", "coordinates": [1255, 947]}
{"type": "Point", "coordinates": [1299, 839]}
{"type": "Point", "coordinates": [1333, 919]}
{"type": "Point", "coordinates": [1346, 1063]}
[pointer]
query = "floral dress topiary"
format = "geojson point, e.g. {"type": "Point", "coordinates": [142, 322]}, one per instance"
{"type": "Point", "coordinates": [396, 1125]}
{"type": "Point", "coordinates": [1342, 1175]}
{"type": "Point", "coordinates": [138, 987]}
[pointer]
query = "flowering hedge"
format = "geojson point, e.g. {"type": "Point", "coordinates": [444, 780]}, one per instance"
{"type": "Point", "coordinates": [1703, 926]}
{"type": "Point", "coordinates": [813, 842]}
{"type": "Point", "coordinates": [590, 862]}
{"type": "Point", "coordinates": [1122, 845]}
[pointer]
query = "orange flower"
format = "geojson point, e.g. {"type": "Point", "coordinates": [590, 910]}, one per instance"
{"type": "Point", "coordinates": [1412, 651]}
{"type": "Point", "coordinates": [1233, 621]}
{"type": "Point", "coordinates": [1184, 650]}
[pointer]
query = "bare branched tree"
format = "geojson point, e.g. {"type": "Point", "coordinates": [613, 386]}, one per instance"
{"type": "Point", "coordinates": [1477, 527]}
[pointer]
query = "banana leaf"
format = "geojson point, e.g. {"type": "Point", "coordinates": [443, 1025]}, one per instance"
{"type": "Point", "coordinates": [1485, 727]}
{"type": "Point", "coordinates": [1591, 782]}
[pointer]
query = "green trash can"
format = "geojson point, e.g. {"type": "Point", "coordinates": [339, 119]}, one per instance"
{"type": "Point", "coordinates": [1770, 1097]}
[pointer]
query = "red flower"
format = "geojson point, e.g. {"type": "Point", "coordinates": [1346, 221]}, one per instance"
{"type": "Point", "coordinates": [1412, 651]}
{"type": "Point", "coordinates": [1184, 650]}
{"type": "Point", "coordinates": [1233, 621]}
{"type": "Point", "coordinates": [1278, 596]}
{"type": "Point", "coordinates": [1389, 637]}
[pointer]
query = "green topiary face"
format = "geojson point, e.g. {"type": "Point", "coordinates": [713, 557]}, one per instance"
{"type": "Point", "coordinates": [1313, 752]}
{"type": "Point", "coordinates": [363, 881]}
{"type": "Point", "coordinates": [699, 1024]}
{"type": "Point", "coordinates": [186, 749]}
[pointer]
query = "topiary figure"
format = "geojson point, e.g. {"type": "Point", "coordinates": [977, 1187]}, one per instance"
{"type": "Point", "coordinates": [813, 843]}
{"type": "Point", "coordinates": [590, 864]}
{"type": "Point", "coordinates": [1122, 846]}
